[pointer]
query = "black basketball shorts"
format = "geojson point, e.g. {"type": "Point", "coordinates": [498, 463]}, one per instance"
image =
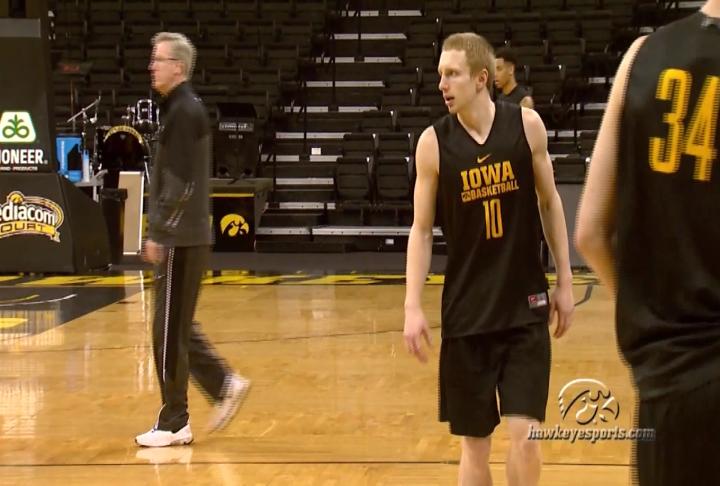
{"type": "Point", "coordinates": [512, 365]}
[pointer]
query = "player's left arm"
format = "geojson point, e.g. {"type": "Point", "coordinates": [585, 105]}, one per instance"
{"type": "Point", "coordinates": [553, 219]}
{"type": "Point", "coordinates": [527, 102]}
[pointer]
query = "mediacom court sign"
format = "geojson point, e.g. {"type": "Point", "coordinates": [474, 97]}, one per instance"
{"type": "Point", "coordinates": [30, 215]}
{"type": "Point", "coordinates": [19, 151]}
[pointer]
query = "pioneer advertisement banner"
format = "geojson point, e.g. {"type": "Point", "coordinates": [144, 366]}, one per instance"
{"type": "Point", "coordinates": [26, 130]}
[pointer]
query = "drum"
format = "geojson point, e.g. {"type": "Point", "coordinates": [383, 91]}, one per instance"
{"type": "Point", "coordinates": [147, 116]}
{"type": "Point", "coordinates": [122, 149]}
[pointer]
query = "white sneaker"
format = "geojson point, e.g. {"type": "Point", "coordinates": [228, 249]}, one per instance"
{"type": "Point", "coordinates": [237, 390]}
{"type": "Point", "coordinates": [164, 438]}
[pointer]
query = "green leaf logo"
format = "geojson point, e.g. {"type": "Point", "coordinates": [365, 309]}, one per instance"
{"type": "Point", "coordinates": [17, 127]}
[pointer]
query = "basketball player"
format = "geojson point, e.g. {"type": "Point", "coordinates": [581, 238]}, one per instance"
{"type": "Point", "coordinates": [487, 166]}
{"type": "Point", "coordinates": [178, 244]}
{"type": "Point", "coordinates": [510, 90]}
{"type": "Point", "coordinates": [654, 186]}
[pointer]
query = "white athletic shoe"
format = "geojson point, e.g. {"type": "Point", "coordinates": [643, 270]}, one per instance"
{"type": "Point", "coordinates": [164, 438]}
{"type": "Point", "coordinates": [225, 409]}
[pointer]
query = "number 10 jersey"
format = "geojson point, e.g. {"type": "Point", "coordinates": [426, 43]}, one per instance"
{"type": "Point", "coordinates": [487, 206]}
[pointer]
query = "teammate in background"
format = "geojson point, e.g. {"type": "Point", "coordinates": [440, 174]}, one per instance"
{"type": "Point", "coordinates": [510, 91]}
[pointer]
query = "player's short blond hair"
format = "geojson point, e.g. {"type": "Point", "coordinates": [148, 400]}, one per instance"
{"type": "Point", "coordinates": [478, 51]}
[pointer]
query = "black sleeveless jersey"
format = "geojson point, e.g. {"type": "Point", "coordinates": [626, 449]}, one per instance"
{"type": "Point", "coordinates": [668, 210]}
{"type": "Point", "coordinates": [494, 278]}
{"type": "Point", "coordinates": [515, 96]}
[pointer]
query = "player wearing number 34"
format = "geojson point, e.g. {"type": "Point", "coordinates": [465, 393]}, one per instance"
{"type": "Point", "coordinates": [486, 166]}
{"type": "Point", "coordinates": [648, 225]}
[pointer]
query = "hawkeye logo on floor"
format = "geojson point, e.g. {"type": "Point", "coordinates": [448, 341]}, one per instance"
{"type": "Point", "coordinates": [22, 215]}
{"type": "Point", "coordinates": [17, 127]}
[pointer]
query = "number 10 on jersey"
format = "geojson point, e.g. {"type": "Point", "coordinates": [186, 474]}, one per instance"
{"type": "Point", "coordinates": [493, 219]}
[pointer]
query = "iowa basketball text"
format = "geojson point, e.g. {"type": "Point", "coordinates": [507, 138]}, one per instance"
{"type": "Point", "coordinates": [487, 181]}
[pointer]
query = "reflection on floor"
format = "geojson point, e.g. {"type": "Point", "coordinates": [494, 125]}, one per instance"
{"type": "Point", "coordinates": [27, 310]}
{"type": "Point", "coordinates": [336, 400]}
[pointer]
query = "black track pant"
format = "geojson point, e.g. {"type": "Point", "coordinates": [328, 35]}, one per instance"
{"type": "Point", "coordinates": [179, 345]}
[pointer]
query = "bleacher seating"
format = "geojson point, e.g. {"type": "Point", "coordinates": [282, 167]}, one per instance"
{"type": "Point", "coordinates": [357, 138]}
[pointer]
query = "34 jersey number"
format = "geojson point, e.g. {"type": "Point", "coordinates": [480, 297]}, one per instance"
{"type": "Point", "coordinates": [699, 139]}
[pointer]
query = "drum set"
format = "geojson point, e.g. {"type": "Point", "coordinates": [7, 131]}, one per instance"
{"type": "Point", "coordinates": [126, 147]}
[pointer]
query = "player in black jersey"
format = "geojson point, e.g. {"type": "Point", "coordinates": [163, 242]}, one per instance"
{"type": "Point", "coordinates": [508, 88]}
{"type": "Point", "coordinates": [654, 188]}
{"type": "Point", "coordinates": [487, 166]}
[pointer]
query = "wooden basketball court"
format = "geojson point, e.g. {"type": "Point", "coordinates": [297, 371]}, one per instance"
{"type": "Point", "coordinates": [336, 400]}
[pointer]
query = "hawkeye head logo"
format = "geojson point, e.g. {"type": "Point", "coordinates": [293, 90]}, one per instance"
{"type": "Point", "coordinates": [21, 215]}
{"type": "Point", "coordinates": [17, 127]}
{"type": "Point", "coordinates": [591, 399]}
{"type": "Point", "coordinates": [234, 224]}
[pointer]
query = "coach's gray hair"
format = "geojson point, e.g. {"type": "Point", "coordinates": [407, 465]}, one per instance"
{"type": "Point", "coordinates": [181, 48]}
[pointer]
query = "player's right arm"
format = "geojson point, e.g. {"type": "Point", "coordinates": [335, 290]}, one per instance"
{"type": "Point", "coordinates": [420, 242]}
{"type": "Point", "coordinates": [595, 227]}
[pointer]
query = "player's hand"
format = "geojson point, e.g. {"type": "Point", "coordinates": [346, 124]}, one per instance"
{"type": "Point", "coordinates": [153, 252]}
{"type": "Point", "coordinates": [562, 304]}
{"type": "Point", "coordinates": [416, 330]}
